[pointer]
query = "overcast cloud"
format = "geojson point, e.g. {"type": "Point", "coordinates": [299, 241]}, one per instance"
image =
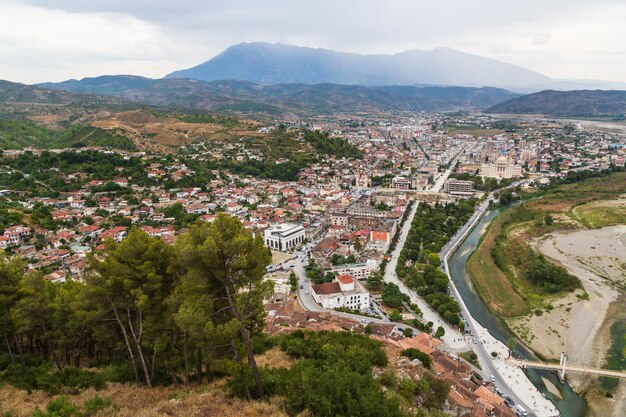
{"type": "Point", "coordinates": [55, 40]}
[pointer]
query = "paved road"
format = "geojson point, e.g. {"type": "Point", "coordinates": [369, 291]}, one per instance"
{"type": "Point", "coordinates": [452, 338]}
{"type": "Point", "coordinates": [307, 302]}
{"type": "Point", "coordinates": [510, 380]}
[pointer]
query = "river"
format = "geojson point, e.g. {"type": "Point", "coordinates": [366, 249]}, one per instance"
{"type": "Point", "coordinates": [571, 404]}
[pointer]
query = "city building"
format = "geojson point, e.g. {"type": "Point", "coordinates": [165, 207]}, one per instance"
{"type": "Point", "coordinates": [339, 219]}
{"type": "Point", "coordinates": [362, 180]}
{"type": "Point", "coordinates": [359, 271]}
{"type": "Point", "coordinates": [459, 187]}
{"type": "Point", "coordinates": [400, 183]}
{"type": "Point", "coordinates": [285, 236]}
{"type": "Point", "coordinates": [501, 169]}
{"type": "Point", "coordinates": [381, 236]}
{"type": "Point", "coordinates": [344, 292]}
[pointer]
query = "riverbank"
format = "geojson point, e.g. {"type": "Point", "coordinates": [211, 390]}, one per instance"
{"type": "Point", "coordinates": [577, 322]}
{"type": "Point", "coordinates": [598, 259]}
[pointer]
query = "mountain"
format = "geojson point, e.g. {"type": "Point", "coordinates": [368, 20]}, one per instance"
{"type": "Point", "coordinates": [265, 63]}
{"type": "Point", "coordinates": [53, 107]}
{"type": "Point", "coordinates": [577, 103]}
{"type": "Point", "coordinates": [281, 99]}
{"type": "Point", "coordinates": [16, 93]}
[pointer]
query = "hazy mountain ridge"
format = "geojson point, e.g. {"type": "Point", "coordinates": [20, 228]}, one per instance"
{"type": "Point", "coordinates": [265, 63]}
{"type": "Point", "coordinates": [248, 97]}
{"type": "Point", "coordinates": [577, 103]}
{"type": "Point", "coordinates": [11, 92]}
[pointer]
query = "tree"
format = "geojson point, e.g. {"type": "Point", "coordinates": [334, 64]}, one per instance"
{"type": "Point", "coordinates": [11, 273]}
{"type": "Point", "coordinates": [131, 282]}
{"type": "Point", "coordinates": [293, 281]}
{"type": "Point", "coordinates": [392, 296]}
{"type": "Point", "coordinates": [440, 332]}
{"type": "Point", "coordinates": [375, 281]}
{"type": "Point", "coordinates": [548, 219]}
{"type": "Point", "coordinates": [395, 315]}
{"type": "Point", "coordinates": [228, 262]}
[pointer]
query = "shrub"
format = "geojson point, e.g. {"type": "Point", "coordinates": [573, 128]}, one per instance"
{"type": "Point", "coordinates": [388, 379]}
{"type": "Point", "coordinates": [44, 378]}
{"type": "Point", "coordinates": [94, 405]}
{"type": "Point", "coordinates": [59, 407]}
{"type": "Point", "coordinates": [413, 353]}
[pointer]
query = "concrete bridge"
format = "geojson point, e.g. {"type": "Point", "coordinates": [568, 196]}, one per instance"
{"type": "Point", "coordinates": [562, 367]}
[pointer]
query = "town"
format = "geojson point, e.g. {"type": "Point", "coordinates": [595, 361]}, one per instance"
{"type": "Point", "coordinates": [337, 229]}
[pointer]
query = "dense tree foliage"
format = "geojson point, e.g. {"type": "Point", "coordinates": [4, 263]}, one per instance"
{"type": "Point", "coordinates": [418, 263]}
{"type": "Point", "coordinates": [156, 310]}
{"type": "Point", "coordinates": [333, 375]}
{"type": "Point", "coordinates": [325, 145]}
{"type": "Point", "coordinates": [550, 277]}
{"type": "Point", "coordinates": [393, 297]}
{"type": "Point", "coordinates": [413, 353]}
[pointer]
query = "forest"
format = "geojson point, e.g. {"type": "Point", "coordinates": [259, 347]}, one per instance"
{"type": "Point", "coordinates": [151, 312]}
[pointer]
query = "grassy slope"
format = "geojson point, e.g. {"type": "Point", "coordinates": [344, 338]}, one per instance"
{"type": "Point", "coordinates": [130, 400]}
{"type": "Point", "coordinates": [506, 292]}
{"type": "Point", "coordinates": [491, 283]}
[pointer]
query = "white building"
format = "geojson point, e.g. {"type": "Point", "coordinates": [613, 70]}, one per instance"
{"type": "Point", "coordinates": [359, 271]}
{"type": "Point", "coordinates": [285, 236]}
{"type": "Point", "coordinates": [502, 168]}
{"type": "Point", "coordinates": [344, 292]}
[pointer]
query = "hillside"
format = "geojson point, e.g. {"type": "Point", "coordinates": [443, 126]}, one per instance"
{"type": "Point", "coordinates": [266, 63]}
{"type": "Point", "coordinates": [577, 103]}
{"type": "Point", "coordinates": [285, 99]}
{"type": "Point", "coordinates": [52, 107]}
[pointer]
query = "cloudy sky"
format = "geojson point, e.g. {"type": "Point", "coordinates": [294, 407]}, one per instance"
{"type": "Point", "coordinates": [44, 40]}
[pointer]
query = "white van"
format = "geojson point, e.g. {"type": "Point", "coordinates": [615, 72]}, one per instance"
{"type": "Point", "coordinates": [521, 411]}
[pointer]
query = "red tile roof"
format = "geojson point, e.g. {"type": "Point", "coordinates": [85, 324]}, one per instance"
{"type": "Point", "coordinates": [327, 288]}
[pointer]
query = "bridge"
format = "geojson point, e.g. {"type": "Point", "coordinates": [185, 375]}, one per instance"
{"type": "Point", "coordinates": [562, 367]}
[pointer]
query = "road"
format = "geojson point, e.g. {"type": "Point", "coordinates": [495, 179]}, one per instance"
{"type": "Point", "coordinates": [306, 301]}
{"type": "Point", "coordinates": [452, 338]}
{"type": "Point", "coordinates": [510, 380]}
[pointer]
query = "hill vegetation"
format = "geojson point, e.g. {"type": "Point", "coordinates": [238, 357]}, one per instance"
{"type": "Point", "coordinates": [154, 315]}
{"type": "Point", "coordinates": [577, 103]}
{"type": "Point", "coordinates": [286, 153]}
{"type": "Point", "coordinates": [243, 97]}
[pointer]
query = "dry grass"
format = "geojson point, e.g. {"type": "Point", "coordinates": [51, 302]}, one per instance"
{"type": "Point", "coordinates": [134, 401]}
{"type": "Point", "coordinates": [165, 133]}
{"type": "Point", "coordinates": [274, 358]}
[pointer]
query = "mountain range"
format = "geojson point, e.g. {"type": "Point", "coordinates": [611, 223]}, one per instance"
{"type": "Point", "coordinates": [577, 103]}
{"type": "Point", "coordinates": [282, 80]}
{"type": "Point", "coordinates": [281, 99]}
{"type": "Point", "coordinates": [265, 63]}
